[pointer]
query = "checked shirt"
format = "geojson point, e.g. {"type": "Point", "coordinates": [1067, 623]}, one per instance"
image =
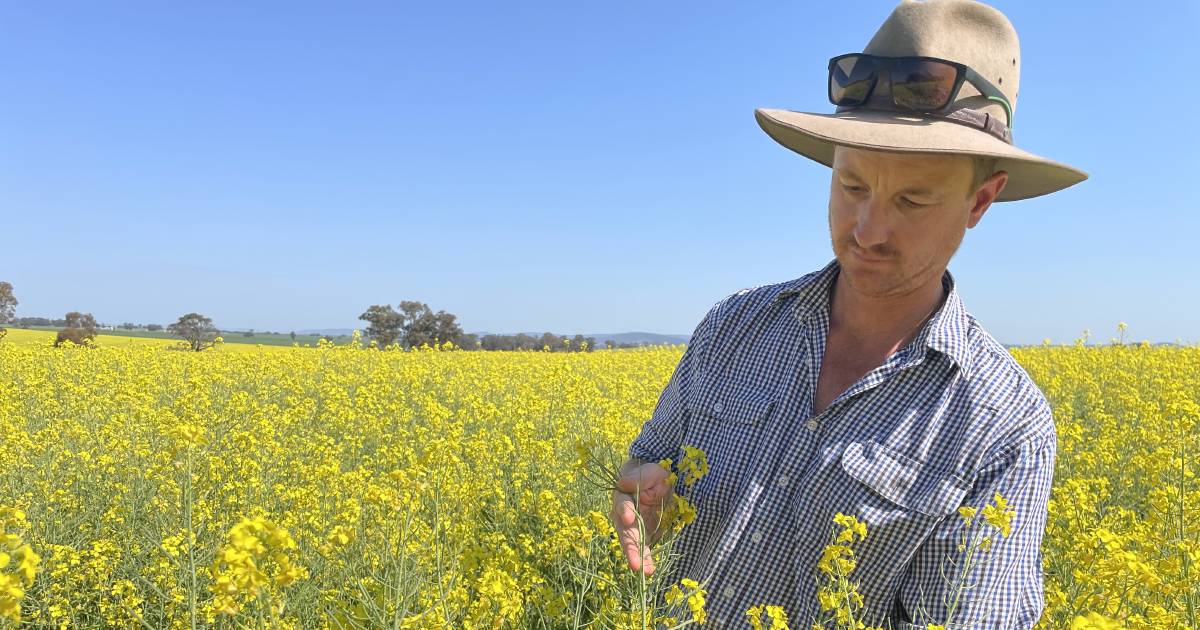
{"type": "Point", "coordinates": [946, 421]}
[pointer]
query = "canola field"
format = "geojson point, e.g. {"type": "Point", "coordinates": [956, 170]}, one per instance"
{"type": "Point", "coordinates": [341, 487]}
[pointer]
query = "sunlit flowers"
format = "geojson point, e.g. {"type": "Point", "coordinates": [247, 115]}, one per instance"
{"type": "Point", "coordinates": [18, 563]}
{"type": "Point", "coordinates": [689, 591]}
{"type": "Point", "coordinates": [439, 488]}
{"type": "Point", "coordinates": [693, 465]}
{"type": "Point", "coordinates": [840, 602]}
{"type": "Point", "coordinates": [254, 560]}
{"type": "Point", "coordinates": [776, 617]}
{"type": "Point", "coordinates": [998, 515]}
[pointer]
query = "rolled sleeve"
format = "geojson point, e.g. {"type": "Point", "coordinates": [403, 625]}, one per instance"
{"type": "Point", "coordinates": [1004, 588]}
{"type": "Point", "coordinates": [662, 434]}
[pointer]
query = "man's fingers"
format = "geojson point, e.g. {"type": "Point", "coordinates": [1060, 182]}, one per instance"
{"type": "Point", "coordinates": [647, 562]}
{"type": "Point", "coordinates": [641, 490]}
{"type": "Point", "coordinates": [630, 483]}
{"type": "Point", "coordinates": [648, 482]}
{"type": "Point", "coordinates": [631, 543]}
{"type": "Point", "coordinates": [625, 520]}
{"type": "Point", "coordinates": [637, 554]}
{"type": "Point", "coordinates": [629, 535]}
{"type": "Point", "coordinates": [624, 514]}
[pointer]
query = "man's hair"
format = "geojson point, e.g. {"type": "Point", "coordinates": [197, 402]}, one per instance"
{"type": "Point", "coordinates": [984, 167]}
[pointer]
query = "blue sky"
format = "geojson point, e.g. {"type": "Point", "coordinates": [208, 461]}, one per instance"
{"type": "Point", "coordinates": [574, 167]}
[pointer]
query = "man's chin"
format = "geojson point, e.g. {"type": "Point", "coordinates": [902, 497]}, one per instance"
{"type": "Point", "coordinates": [873, 278]}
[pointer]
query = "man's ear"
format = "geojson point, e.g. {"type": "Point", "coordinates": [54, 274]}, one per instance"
{"type": "Point", "coordinates": [987, 193]}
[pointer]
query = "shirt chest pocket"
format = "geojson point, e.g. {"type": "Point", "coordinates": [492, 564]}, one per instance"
{"type": "Point", "coordinates": [901, 481]}
{"type": "Point", "coordinates": [726, 422]}
{"type": "Point", "coordinates": [900, 499]}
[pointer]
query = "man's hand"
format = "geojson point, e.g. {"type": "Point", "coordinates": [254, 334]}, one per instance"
{"type": "Point", "coordinates": [648, 483]}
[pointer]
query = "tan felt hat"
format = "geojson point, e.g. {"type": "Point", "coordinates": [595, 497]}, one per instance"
{"type": "Point", "coordinates": [962, 31]}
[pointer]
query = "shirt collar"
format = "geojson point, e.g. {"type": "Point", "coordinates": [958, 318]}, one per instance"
{"type": "Point", "coordinates": [945, 332]}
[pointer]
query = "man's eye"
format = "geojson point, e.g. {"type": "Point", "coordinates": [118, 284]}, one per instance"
{"type": "Point", "coordinates": [911, 203]}
{"type": "Point", "coordinates": [853, 189]}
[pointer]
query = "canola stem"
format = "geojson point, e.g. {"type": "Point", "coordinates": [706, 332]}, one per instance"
{"type": "Point", "coordinates": [191, 543]}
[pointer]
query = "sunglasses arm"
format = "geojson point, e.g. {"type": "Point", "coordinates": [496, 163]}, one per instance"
{"type": "Point", "coordinates": [991, 92]}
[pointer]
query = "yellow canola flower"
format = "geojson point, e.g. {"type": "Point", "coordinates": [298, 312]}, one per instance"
{"type": "Point", "coordinates": [693, 465]}
{"type": "Point", "coordinates": [18, 563]}
{"type": "Point", "coordinates": [851, 528]}
{"type": "Point", "coordinates": [253, 561]}
{"type": "Point", "coordinates": [776, 617]}
{"type": "Point", "coordinates": [689, 591]}
{"type": "Point", "coordinates": [1095, 621]}
{"type": "Point", "coordinates": [998, 515]}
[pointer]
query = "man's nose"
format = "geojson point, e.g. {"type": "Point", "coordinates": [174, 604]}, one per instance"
{"type": "Point", "coordinates": [873, 223]}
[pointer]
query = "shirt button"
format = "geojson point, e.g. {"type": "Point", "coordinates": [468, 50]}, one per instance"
{"type": "Point", "coordinates": [811, 424]}
{"type": "Point", "coordinates": [756, 537]}
{"type": "Point", "coordinates": [719, 407]}
{"type": "Point", "coordinates": [728, 592]}
{"type": "Point", "coordinates": [782, 481]}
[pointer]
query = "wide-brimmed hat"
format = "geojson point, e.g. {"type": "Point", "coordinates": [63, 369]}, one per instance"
{"type": "Point", "coordinates": [963, 31]}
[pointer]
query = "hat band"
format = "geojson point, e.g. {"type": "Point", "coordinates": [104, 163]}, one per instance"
{"type": "Point", "coordinates": [973, 118]}
{"type": "Point", "coordinates": [979, 120]}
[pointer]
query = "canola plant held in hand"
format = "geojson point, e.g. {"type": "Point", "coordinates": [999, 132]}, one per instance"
{"type": "Point", "coordinates": [342, 487]}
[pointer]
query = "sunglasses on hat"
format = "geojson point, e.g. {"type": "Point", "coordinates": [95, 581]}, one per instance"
{"type": "Point", "coordinates": [924, 84]}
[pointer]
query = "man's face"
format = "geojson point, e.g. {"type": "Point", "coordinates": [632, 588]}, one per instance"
{"type": "Point", "coordinates": [896, 219]}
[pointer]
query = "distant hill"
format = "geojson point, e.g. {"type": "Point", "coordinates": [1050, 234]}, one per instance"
{"type": "Point", "coordinates": [639, 337]}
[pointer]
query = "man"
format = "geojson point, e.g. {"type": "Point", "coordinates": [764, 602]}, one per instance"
{"type": "Point", "coordinates": [865, 387]}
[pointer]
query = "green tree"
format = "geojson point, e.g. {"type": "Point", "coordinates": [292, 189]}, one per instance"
{"type": "Point", "coordinates": [79, 328]}
{"type": "Point", "coordinates": [197, 330]}
{"type": "Point", "coordinates": [412, 325]}
{"type": "Point", "coordinates": [384, 325]}
{"type": "Point", "coordinates": [8, 306]}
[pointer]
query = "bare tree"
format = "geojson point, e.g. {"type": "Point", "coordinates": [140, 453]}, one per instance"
{"type": "Point", "coordinates": [197, 330]}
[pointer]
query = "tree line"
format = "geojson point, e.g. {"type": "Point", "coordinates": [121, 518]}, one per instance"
{"type": "Point", "coordinates": [410, 324]}
{"type": "Point", "coordinates": [30, 322]}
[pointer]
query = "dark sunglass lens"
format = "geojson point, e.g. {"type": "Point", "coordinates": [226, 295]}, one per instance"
{"type": "Point", "coordinates": [922, 84]}
{"type": "Point", "coordinates": [850, 80]}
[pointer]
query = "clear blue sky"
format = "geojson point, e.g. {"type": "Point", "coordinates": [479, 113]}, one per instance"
{"type": "Point", "coordinates": [564, 166]}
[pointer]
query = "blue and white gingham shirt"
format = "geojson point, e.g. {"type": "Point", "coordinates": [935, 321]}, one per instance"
{"type": "Point", "coordinates": [946, 421]}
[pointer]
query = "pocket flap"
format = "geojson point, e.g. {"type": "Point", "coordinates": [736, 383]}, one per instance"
{"type": "Point", "coordinates": [903, 480]}
{"type": "Point", "coordinates": [732, 402]}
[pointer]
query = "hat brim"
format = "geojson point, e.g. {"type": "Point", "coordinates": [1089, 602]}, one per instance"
{"type": "Point", "coordinates": [815, 135]}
